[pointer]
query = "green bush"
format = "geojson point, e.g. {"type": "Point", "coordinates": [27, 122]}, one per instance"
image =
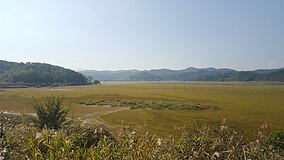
{"type": "Point", "coordinates": [277, 139]}
{"type": "Point", "coordinates": [50, 114]}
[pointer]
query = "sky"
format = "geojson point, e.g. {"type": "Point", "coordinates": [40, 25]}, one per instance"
{"type": "Point", "coordinates": [144, 34]}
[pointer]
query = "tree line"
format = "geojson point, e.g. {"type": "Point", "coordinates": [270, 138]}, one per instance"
{"type": "Point", "coordinates": [38, 74]}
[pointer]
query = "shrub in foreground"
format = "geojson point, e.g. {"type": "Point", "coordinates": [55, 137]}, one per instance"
{"type": "Point", "coordinates": [50, 114]}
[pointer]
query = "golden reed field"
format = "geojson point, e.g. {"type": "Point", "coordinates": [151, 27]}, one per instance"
{"type": "Point", "coordinates": [247, 105]}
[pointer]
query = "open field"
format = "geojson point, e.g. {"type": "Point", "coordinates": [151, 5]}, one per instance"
{"type": "Point", "coordinates": [247, 105]}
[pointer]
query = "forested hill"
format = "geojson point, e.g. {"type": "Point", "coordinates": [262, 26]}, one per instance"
{"type": "Point", "coordinates": [189, 74]}
{"type": "Point", "coordinates": [37, 74]}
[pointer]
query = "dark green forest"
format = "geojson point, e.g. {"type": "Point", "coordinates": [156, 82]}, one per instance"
{"type": "Point", "coordinates": [38, 74]}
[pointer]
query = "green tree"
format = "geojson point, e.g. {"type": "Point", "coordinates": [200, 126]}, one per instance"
{"type": "Point", "coordinates": [96, 82]}
{"type": "Point", "coordinates": [50, 114]}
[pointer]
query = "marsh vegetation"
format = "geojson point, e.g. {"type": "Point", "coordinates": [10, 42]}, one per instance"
{"type": "Point", "coordinates": [246, 105]}
{"type": "Point", "coordinates": [147, 104]}
{"type": "Point", "coordinates": [105, 127]}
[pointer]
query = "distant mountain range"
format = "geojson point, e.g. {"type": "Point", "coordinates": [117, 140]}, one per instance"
{"type": "Point", "coordinates": [188, 74]}
{"type": "Point", "coordinates": [14, 74]}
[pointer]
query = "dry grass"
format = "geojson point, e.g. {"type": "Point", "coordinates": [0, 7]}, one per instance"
{"type": "Point", "coordinates": [24, 141]}
{"type": "Point", "coordinates": [247, 105]}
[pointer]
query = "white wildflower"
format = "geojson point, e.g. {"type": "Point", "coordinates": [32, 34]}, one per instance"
{"type": "Point", "coordinates": [4, 151]}
{"type": "Point", "coordinates": [133, 133]}
{"type": "Point", "coordinates": [159, 141]}
{"type": "Point", "coordinates": [131, 141]}
{"type": "Point", "coordinates": [38, 135]}
{"type": "Point", "coordinates": [223, 127]}
{"type": "Point", "coordinates": [216, 154]}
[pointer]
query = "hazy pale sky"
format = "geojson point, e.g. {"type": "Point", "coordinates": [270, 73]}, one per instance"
{"type": "Point", "coordinates": [144, 34]}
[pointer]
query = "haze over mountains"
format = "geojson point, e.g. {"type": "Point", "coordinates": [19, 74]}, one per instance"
{"type": "Point", "coordinates": [188, 74]}
{"type": "Point", "coordinates": [14, 74]}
